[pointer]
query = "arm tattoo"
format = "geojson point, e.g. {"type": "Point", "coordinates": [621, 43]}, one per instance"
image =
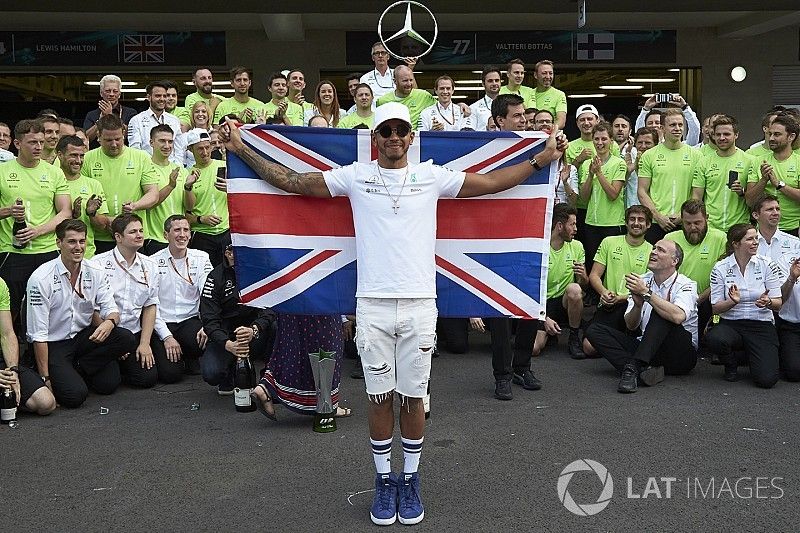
{"type": "Point", "coordinates": [308, 184]}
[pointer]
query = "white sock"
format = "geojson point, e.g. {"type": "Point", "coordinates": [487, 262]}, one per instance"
{"type": "Point", "coordinates": [382, 455]}
{"type": "Point", "coordinates": [411, 451]}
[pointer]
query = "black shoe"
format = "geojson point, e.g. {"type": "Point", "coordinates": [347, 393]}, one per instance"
{"type": "Point", "coordinates": [358, 372]}
{"type": "Point", "coordinates": [575, 346]}
{"type": "Point", "coordinates": [502, 389]}
{"type": "Point", "coordinates": [527, 380]}
{"type": "Point", "coordinates": [652, 375]}
{"type": "Point", "coordinates": [629, 381]}
{"type": "Point", "coordinates": [731, 374]}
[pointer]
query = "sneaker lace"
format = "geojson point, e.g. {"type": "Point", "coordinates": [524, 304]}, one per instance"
{"type": "Point", "coordinates": [410, 495]}
{"type": "Point", "coordinates": [385, 494]}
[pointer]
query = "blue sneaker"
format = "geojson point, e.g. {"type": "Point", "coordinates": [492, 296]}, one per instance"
{"type": "Point", "coordinates": [384, 504]}
{"type": "Point", "coordinates": [410, 510]}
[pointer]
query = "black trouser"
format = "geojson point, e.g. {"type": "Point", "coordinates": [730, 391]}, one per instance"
{"type": "Point", "coordinates": [453, 334]}
{"type": "Point", "coordinates": [789, 335]}
{"type": "Point", "coordinates": [580, 217]}
{"type": "Point", "coordinates": [612, 316]}
{"type": "Point", "coordinates": [757, 338]}
{"type": "Point", "coordinates": [186, 334]}
{"type": "Point", "coordinates": [663, 343]}
{"type": "Point", "coordinates": [213, 245]}
{"type": "Point", "coordinates": [16, 269]}
{"type": "Point", "coordinates": [152, 246]}
{"type": "Point", "coordinates": [163, 370]}
{"type": "Point", "coordinates": [217, 362]}
{"type": "Point", "coordinates": [505, 360]}
{"type": "Point", "coordinates": [75, 363]}
{"type": "Point", "coordinates": [594, 235]}
{"type": "Point", "coordinates": [704, 314]}
{"type": "Point", "coordinates": [103, 246]}
{"type": "Point", "coordinates": [655, 233]}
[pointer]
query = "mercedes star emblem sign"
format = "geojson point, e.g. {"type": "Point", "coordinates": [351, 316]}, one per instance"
{"type": "Point", "coordinates": [412, 44]}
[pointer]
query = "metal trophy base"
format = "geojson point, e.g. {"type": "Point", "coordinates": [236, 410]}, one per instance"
{"type": "Point", "coordinates": [324, 422]}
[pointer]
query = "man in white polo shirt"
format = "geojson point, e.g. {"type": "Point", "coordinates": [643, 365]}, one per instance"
{"type": "Point", "coordinates": [71, 352]}
{"type": "Point", "coordinates": [381, 78]}
{"type": "Point", "coordinates": [482, 108]}
{"type": "Point", "coordinates": [141, 124]}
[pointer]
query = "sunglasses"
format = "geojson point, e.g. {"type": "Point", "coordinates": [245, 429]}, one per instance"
{"type": "Point", "coordinates": [401, 130]}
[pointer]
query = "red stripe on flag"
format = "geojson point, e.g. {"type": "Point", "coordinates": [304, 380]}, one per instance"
{"type": "Point", "coordinates": [373, 152]}
{"type": "Point", "coordinates": [491, 218]}
{"type": "Point", "coordinates": [289, 149]}
{"type": "Point", "coordinates": [521, 145]}
{"type": "Point", "coordinates": [253, 214]}
{"type": "Point", "coordinates": [482, 287]}
{"type": "Point", "coordinates": [289, 276]}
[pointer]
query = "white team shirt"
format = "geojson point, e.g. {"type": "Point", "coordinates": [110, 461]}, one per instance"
{"type": "Point", "coordinates": [135, 287]}
{"type": "Point", "coordinates": [180, 282]}
{"type": "Point", "coordinates": [380, 84]}
{"type": "Point", "coordinates": [632, 184]}
{"type": "Point", "coordinates": [783, 249]}
{"type": "Point", "coordinates": [312, 111]}
{"type": "Point", "coordinates": [58, 311]}
{"type": "Point", "coordinates": [395, 251]}
{"type": "Point", "coordinates": [691, 134]}
{"type": "Point", "coordinates": [481, 111]}
{"type": "Point", "coordinates": [139, 133]}
{"type": "Point", "coordinates": [676, 289]}
{"type": "Point", "coordinates": [5, 155]}
{"type": "Point", "coordinates": [450, 117]}
{"type": "Point", "coordinates": [761, 274]}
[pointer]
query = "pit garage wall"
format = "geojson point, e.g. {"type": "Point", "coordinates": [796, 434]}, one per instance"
{"type": "Point", "coordinates": [701, 47]}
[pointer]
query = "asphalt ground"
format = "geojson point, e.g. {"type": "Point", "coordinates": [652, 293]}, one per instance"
{"type": "Point", "coordinates": [154, 464]}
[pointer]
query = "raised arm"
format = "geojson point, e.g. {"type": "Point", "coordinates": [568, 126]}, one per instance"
{"type": "Point", "coordinates": [307, 184]}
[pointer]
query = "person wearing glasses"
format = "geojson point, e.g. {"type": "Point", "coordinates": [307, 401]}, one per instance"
{"type": "Point", "coordinates": [381, 78]}
{"type": "Point", "coordinates": [73, 352]}
{"type": "Point", "coordinates": [134, 280]}
{"type": "Point", "coordinates": [182, 272]}
{"type": "Point", "coordinates": [395, 232]}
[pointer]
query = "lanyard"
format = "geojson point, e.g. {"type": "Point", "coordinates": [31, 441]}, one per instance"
{"type": "Point", "coordinates": [128, 272]}
{"type": "Point", "coordinates": [669, 291]}
{"type": "Point", "coordinates": [188, 278]}
{"type": "Point", "coordinates": [452, 112]}
{"type": "Point", "coordinates": [78, 285]}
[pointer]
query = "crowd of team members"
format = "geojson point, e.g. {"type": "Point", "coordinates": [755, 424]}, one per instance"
{"type": "Point", "coordinates": [114, 266]}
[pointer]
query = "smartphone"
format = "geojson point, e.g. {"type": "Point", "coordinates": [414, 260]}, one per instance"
{"type": "Point", "coordinates": [221, 173]}
{"type": "Point", "coordinates": [732, 177]}
{"type": "Point", "coordinates": [663, 97]}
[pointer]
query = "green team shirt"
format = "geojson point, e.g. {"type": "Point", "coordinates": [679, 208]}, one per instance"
{"type": "Point", "coordinates": [759, 151]}
{"type": "Point", "coordinates": [193, 99]}
{"type": "Point", "coordinates": [527, 94]}
{"type": "Point", "coordinates": [559, 267]}
{"type": "Point", "coordinates": [699, 259]}
{"type": "Point", "coordinates": [352, 120]}
{"type": "Point", "coordinates": [38, 187]}
{"type": "Point", "coordinates": [621, 258]}
{"type": "Point", "coordinates": [552, 100]}
{"type": "Point", "coordinates": [5, 296]}
{"type": "Point", "coordinates": [123, 179]}
{"type": "Point", "coordinates": [601, 210]}
{"type": "Point", "coordinates": [707, 149]}
{"type": "Point", "coordinates": [293, 112]}
{"type": "Point", "coordinates": [172, 204]}
{"type": "Point", "coordinates": [232, 105]}
{"type": "Point", "coordinates": [84, 187]}
{"type": "Point", "coordinates": [210, 200]}
{"type": "Point", "coordinates": [787, 172]}
{"type": "Point", "coordinates": [725, 207]}
{"type": "Point", "coordinates": [573, 150]}
{"type": "Point", "coordinates": [670, 173]}
{"type": "Point", "coordinates": [415, 102]}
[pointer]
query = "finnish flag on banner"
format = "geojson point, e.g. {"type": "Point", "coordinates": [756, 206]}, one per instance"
{"type": "Point", "coordinates": [594, 46]}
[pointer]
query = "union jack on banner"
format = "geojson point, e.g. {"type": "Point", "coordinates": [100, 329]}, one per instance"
{"type": "Point", "coordinates": [297, 254]}
{"type": "Point", "coordinates": [143, 48]}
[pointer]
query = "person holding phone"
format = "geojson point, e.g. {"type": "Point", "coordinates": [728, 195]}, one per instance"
{"type": "Point", "coordinates": [720, 177]}
{"type": "Point", "coordinates": [670, 101]}
{"type": "Point", "coordinates": [206, 201]}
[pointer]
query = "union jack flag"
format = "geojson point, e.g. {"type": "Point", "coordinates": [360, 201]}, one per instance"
{"type": "Point", "coordinates": [143, 48]}
{"type": "Point", "coordinates": [297, 254]}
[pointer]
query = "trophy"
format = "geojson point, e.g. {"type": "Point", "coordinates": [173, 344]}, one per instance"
{"type": "Point", "coordinates": [412, 44]}
{"type": "Point", "coordinates": [323, 365]}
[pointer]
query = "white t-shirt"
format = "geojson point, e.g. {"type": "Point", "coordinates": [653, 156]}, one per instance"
{"type": "Point", "coordinates": [380, 85]}
{"type": "Point", "coordinates": [450, 117]}
{"type": "Point", "coordinates": [395, 251]}
{"type": "Point", "coordinates": [481, 111]}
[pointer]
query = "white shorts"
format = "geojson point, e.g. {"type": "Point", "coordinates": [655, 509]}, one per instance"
{"type": "Point", "coordinates": [395, 339]}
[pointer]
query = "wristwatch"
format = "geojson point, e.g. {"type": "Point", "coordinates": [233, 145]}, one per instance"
{"type": "Point", "coordinates": [646, 296]}
{"type": "Point", "coordinates": [781, 184]}
{"type": "Point", "coordinates": [256, 331]}
{"type": "Point", "coordinates": [534, 163]}
{"type": "Point", "coordinates": [188, 188]}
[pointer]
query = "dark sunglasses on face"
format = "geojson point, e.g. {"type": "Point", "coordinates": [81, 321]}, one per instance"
{"type": "Point", "coordinates": [401, 130]}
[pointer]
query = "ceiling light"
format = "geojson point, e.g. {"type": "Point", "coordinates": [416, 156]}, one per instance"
{"type": "Point", "coordinates": [132, 91]}
{"type": "Point", "coordinates": [467, 82]}
{"type": "Point", "coordinates": [620, 87]}
{"type": "Point", "coordinates": [469, 88]}
{"type": "Point", "coordinates": [598, 95]}
{"type": "Point", "coordinates": [650, 80]}
{"type": "Point", "coordinates": [673, 70]}
{"type": "Point", "coordinates": [97, 83]}
{"type": "Point", "coordinates": [459, 96]}
{"type": "Point", "coordinates": [738, 73]}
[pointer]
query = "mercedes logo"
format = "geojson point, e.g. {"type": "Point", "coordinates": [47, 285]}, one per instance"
{"type": "Point", "coordinates": [410, 40]}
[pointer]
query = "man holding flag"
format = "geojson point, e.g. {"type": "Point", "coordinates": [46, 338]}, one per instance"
{"type": "Point", "coordinates": [394, 212]}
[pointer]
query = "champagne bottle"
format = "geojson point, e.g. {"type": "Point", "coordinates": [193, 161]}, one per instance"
{"type": "Point", "coordinates": [19, 224]}
{"type": "Point", "coordinates": [244, 382]}
{"type": "Point", "coordinates": [8, 406]}
{"type": "Point", "coordinates": [426, 401]}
